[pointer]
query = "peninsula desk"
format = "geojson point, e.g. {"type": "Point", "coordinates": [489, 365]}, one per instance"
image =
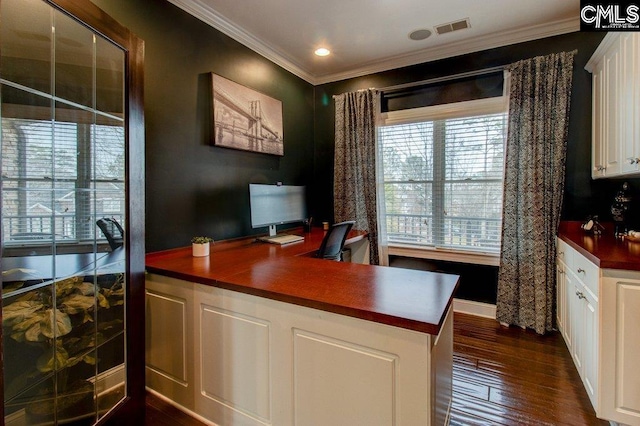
{"type": "Point", "coordinates": [260, 334]}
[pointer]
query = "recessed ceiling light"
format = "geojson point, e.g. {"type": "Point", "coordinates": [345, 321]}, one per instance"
{"type": "Point", "coordinates": [419, 34]}
{"type": "Point", "coordinates": [322, 51]}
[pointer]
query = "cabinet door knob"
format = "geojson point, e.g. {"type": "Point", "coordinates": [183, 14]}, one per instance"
{"type": "Point", "coordinates": [632, 160]}
{"type": "Point", "coordinates": [580, 295]}
{"type": "Point", "coordinates": [580, 270]}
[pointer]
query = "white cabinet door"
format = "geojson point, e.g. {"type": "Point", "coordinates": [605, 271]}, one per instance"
{"type": "Point", "coordinates": [629, 102]}
{"type": "Point", "coordinates": [616, 106]}
{"type": "Point", "coordinates": [620, 348]}
{"type": "Point", "coordinates": [560, 296]}
{"type": "Point", "coordinates": [576, 319]}
{"type": "Point", "coordinates": [612, 113]}
{"type": "Point", "coordinates": [569, 317]}
{"type": "Point", "coordinates": [598, 110]}
{"type": "Point", "coordinates": [590, 345]}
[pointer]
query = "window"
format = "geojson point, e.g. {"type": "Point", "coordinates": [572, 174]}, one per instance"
{"type": "Point", "coordinates": [53, 187]}
{"type": "Point", "coordinates": [442, 172]}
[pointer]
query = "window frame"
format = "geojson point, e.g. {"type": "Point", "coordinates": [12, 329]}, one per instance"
{"type": "Point", "coordinates": [487, 106]}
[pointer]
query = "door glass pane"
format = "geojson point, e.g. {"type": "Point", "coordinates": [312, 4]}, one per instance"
{"type": "Point", "coordinates": [26, 44]}
{"type": "Point", "coordinates": [74, 56]}
{"type": "Point", "coordinates": [63, 171]}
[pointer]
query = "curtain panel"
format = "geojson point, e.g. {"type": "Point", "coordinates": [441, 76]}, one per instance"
{"type": "Point", "coordinates": [539, 103]}
{"type": "Point", "coordinates": [354, 185]}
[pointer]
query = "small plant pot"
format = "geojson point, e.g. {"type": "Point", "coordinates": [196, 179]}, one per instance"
{"type": "Point", "coordinates": [200, 250]}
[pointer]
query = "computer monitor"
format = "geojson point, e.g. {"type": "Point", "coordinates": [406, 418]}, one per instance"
{"type": "Point", "coordinates": [273, 205]}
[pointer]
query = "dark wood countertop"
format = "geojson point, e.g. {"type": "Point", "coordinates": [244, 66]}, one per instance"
{"type": "Point", "coordinates": [405, 298]}
{"type": "Point", "coordinates": [605, 251]}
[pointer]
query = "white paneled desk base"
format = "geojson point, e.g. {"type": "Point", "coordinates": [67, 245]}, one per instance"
{"type": "Point", "coordinates": [238, 359]}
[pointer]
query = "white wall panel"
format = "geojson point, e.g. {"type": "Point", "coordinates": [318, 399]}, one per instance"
{"type": "Point", "coordinates": [166, 336]}
{"type": "Point", "coordinates": [338, 382]}
{"type": "Point", "coordinates": [235, 359]}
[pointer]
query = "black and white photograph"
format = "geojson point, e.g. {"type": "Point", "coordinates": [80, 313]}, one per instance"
{"type": "Point", "coordinates": [246, 119]}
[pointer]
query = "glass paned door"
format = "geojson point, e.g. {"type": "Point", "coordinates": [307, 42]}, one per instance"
{"type": "Point", "coordinates": [63, 173]}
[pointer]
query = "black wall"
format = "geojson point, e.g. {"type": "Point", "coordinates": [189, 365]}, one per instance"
{"type": "Point", "coordinates": [193, 188]}
{"type": "Point", "coordinates": [583, 196]}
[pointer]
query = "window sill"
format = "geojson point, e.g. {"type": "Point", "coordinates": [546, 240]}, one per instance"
{"type": "Point", "coordinates": [446, 255]}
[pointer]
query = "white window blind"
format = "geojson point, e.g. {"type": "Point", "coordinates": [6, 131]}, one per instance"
{"type": "Point", "coordinates": [54, 185]}
{"type": "Point", "coordinates": [442, 172]}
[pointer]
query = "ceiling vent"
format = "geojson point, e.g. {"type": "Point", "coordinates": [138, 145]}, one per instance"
{"type": "Point", "coordinates": [452, 26]}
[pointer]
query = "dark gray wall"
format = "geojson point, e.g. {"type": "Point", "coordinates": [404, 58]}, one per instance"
{"type": "Point", "coordinates": [583, 196]}
{"type": "Point", "coordinates": [193, 188]}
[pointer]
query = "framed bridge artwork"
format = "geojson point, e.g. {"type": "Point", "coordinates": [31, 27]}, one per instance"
{"type": "Point", "coordinates": [246, 119]}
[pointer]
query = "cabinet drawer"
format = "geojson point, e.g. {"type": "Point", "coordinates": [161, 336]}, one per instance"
{"type": "Point", "coordinates": [586, 272]}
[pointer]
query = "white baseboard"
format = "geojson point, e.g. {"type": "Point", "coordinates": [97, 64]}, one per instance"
{"type": "Point", "coordinates": [181, 408]}
{"type": "Point", "coordinates": [109, 380]}
{"type": "Point", "coordinates": [19, 418]}
{"type": "Point", "coordinates": [470, 307]}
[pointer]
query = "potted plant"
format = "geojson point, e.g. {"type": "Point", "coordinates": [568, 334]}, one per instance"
{"type": "Point", "coordinates": [200, 246]}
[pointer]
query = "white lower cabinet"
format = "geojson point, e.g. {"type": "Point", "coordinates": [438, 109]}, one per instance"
{"type": "Point", "coordinates": [236, 359]}
{"type": "Point", "coordinates": [620, 347]}
{"type": "Point", "coordinates": [599, 318]}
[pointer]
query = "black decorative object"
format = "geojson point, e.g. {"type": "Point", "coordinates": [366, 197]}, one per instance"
{"type": "Point", "coordinates": [592, 226]}
{"type": "Point", "coordinates": [619, 210]}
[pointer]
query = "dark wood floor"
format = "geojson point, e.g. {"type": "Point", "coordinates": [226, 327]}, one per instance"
{"type": "Point", "coordinates": [509, 376]}
{"type": "Point", "coordinates": [501, 376]}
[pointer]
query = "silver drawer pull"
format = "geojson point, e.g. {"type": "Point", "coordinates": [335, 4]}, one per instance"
{"type": "Point", "coordinates": [580, 270]}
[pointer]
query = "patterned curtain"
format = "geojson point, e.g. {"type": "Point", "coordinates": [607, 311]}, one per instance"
{"type": "Point", "coordinates": [354, 183]}
{"type": "Point", "coordinates": [533, 188]}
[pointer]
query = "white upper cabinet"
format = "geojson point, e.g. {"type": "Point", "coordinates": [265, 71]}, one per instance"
{"type": "Point", "coordinates": [615, 66]}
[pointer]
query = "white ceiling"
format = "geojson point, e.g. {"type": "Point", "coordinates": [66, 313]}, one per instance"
{"type": "Point", "coordinates": [367, 36]}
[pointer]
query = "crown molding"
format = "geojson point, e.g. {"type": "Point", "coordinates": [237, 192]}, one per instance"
{"type": "Point", "coordinates": [209, 16]}
{"type": "Point", "coordinates": [463, 47]}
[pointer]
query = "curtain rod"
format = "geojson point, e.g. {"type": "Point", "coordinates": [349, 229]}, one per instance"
{"type": "Point", "coordinates": [441, 79]}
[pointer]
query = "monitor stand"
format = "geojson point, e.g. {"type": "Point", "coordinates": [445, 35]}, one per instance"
{"type": "Point", "coordinates": [272, 230]}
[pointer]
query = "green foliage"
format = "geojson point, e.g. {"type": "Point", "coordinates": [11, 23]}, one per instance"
{"type": "Point", "coordinates": [201, 240]}
{"type": "Point", "coordinates": [60, 330]}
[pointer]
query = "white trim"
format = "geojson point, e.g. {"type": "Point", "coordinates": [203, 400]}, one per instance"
{"type": "Point", "coordinates": [495, 105]}
{"type": "Point", "coordinates": [211, 17]}
{"type": "Point", "coordinates": [479, 309]}
{"type": "Point", "coordinates": [462, 47]}
{"type": "Point", "coordinates": [109, 380]}
{"type": "Point", "coordinates": [605, 44]}
{"type": "Point", "coordinates": [19, 418]}
{"type": "Point", "coordinates": [434, 253]}
{"type": "Point", "coordinates": [208, 15]}
{"type": "Point", "coordinates": [181, 408]}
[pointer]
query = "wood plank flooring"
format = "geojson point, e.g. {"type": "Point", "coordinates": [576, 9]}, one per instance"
{"type": "Point", "coordinates": [501, 376]}
{"type": "Point", "coordinates": [509, 376]}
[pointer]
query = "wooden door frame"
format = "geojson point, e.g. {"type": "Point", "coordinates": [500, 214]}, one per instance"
{"type": "Point", "coordinates": [131, 409]}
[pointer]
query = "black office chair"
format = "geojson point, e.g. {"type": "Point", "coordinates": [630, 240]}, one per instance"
{"type": "Point", "coordinates": [112, 230]}
{"type": "Point", "coordinates": [333, 242]}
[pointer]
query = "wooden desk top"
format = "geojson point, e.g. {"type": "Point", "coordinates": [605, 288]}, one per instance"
{"type": "Point", "coordinates": [410, 299]}
{"type": "Point", "coordinates": [605, 251]}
